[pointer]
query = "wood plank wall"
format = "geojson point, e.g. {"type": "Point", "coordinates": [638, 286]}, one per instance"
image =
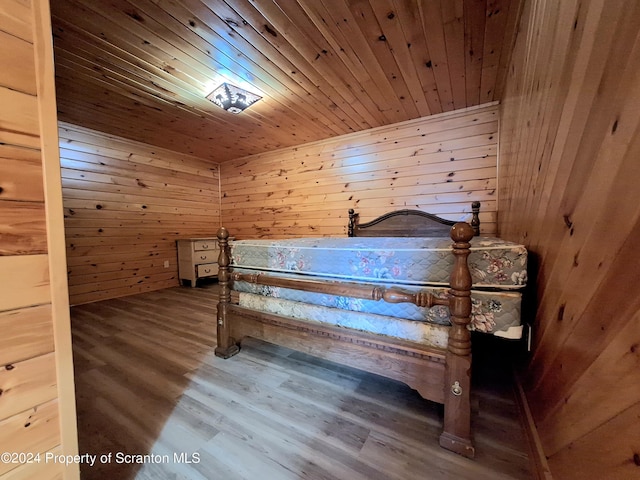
{"type": "Point", "coordinates": [125, 205]}
{"type": "Point", "coordinates": [569, 175]}
{"type": "Point", "coordinates": [37, 404]}
{"type": "Point", "coordinates": [438, 164]}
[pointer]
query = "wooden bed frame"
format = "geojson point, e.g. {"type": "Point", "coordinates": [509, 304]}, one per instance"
{"type": "Point", "coordinates": [440, 375]}
{"type": "Point", "coordinates": [408, 223]}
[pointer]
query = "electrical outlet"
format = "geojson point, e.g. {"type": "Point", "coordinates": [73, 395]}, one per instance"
{"type": "Point", "coordinates": [166, 264]}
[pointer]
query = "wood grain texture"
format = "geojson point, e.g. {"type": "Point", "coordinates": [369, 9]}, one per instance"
{"type": "Point", "coordinates": [37, 403]}
{"type": "Point", "coordinates": [35, 429]}
{"type": "Point", "coordinates": [570, 140]}
{"type": "Point", "coordinates": [24, 281]}
{"type": "Point", "coordinates": [269, 412]}
{"type": "Point", "coordinates": [29, 382]}
{"type": "Point", "coordinates": [618, 460]}
{"type": "Point", "coordinates": [26, 333]}
{"type": "Point", "coordinates": [324, 68]}
{"type": "Point", "coordinates": [41, 471]}
{"type": "Point", "coordinates": [21, 112]}
{"type": "Point", "coordinates": [22, 228]}
{"type": "Point", "coordinates": [15, 19]}
{"type": "Point", "coordinates": [125, 205]}
{"type": "Point", "coordinates": [439, 165]}
{"type": "Point", "coordinates": [20, 75]}
{"type": "Point", "coordinates": [21, 174]}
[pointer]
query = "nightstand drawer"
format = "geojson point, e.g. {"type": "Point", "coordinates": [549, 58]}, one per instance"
{"type": "Point", "coordinates": [205, 257]}
{"type": "Point", "coordinates": [207, 269]}
{"type": "Point", "coordinates": [199, 245]}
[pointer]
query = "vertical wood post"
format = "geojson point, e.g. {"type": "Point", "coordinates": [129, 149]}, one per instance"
{"type": "Point", "coordinates": [352, 222]}
{"type": "Point", "coordinates": [225, 348]}
{"type": "Point", "coordinates": [457, 407]}
{"type": "Point", "coordinates": [475, 218]}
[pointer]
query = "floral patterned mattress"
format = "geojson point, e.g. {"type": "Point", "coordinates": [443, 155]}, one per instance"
{"type": "Point", "coordinates": [493, 312]}
{"type": "Point", "coordinates": [498, 269]}
{"type": "Point", "coordinates": [429, 334]}
{"type": "Point", "coordinates": [494, 263]}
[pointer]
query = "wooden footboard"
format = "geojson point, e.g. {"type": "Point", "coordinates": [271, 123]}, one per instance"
{"type": "Point", "coordinates": [456, 435]}
{"type": "Point", "coordinates": [443, 376]}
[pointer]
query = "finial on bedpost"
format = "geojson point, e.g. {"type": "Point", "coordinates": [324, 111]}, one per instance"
{"type": "Point", "coordinates": [457, 410]}
{"type": "Point", "coordinates": [352, 222]}
{"type": "Point", "coordinates": [225, 348]}
{"type": "Point", "coordinates": [475, 217]}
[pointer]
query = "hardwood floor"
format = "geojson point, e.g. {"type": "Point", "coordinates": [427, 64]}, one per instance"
{"type": "Point", "coordinates": [148, 383]}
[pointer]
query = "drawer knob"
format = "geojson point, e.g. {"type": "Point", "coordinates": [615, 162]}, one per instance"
{"type": "Point", "coordinates": [203, 257]}
{"type": "Point", "coordinates": [205, 246]}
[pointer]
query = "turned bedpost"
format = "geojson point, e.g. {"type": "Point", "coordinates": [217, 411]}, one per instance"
{"type": "Point", "coordinates": [225, 348]}
{"type": "Point", "coordinates": [352, 222]}
{"type": "Point", "coordinates": [460, 282]}
{"type": "Point", "coordinates": [475, 218]}
{"type": "Point", "coordinates": [457, 415]}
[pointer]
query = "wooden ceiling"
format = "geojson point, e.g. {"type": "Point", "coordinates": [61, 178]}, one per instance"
{"type": "Point", "coordinates": [141, 69]}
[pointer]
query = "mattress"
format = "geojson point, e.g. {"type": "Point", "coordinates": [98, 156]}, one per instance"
{"type": "Point", "coordinates": [427, 334]}
{"type": "Point", "coordinates": [498, 270]}
{"type": "Point", "coordinates": [494, 263]}
{"type": "Point", "coordinates": [494, 312]}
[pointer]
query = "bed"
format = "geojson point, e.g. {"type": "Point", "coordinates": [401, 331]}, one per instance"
{"type": "Point", "coordinates": [394, 298]}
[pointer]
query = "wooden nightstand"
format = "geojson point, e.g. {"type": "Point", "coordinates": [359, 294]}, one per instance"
{"type": "Point", "coordinates": [197, 258]}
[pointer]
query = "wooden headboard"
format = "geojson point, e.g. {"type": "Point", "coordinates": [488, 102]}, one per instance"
{"type": "Point", "coordinates": [408, 223]}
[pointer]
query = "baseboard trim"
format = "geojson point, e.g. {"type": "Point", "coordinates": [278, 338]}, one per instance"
{"type": "Point", "coordinates": [537, 458]}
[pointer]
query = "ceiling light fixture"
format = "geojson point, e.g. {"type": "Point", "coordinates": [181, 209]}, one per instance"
{"type": "Point", "coordinates": [233, 99]}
